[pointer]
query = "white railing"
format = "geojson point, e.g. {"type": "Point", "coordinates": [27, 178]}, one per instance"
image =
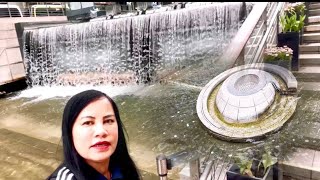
{"type": "Point", "coordinates": [11, 10]}
{"type": "Point", "coordinates": [257, 32]}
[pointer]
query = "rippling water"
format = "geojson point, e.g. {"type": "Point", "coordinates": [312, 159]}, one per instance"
{"type": "Point", "coordinates": [159, 118]}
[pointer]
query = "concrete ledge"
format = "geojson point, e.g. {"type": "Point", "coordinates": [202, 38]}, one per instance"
{"type": "Point", "coordinates": [14, 55]}
{"type": "Point", "coordinates": [5, 74]}
{"type": "Point", "coordinates": [6, 26]}
{"type": "Point", "coordinates": [308, 73]}
{"type": "Point", "coordinates": [17, 71]}
{"type": "Point", "coordinates": [9, 43]}
{"type": "Point", "coordinates": [310, 86]}
{"type": "Point", "coordinates": [303, 163]}
{"type": "Point", "coordinates": [8, 34]}
{"type": "Point", "coordinates": [33, 19]}
{"type": "Point", "coordinates": [3, 57]}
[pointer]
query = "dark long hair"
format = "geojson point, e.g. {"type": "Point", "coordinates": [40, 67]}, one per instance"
{"type": "Point", "coordinates": [120, 158]}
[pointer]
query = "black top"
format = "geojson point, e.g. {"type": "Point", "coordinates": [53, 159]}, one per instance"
{"type": "Point", "coordinates": [63, 173]}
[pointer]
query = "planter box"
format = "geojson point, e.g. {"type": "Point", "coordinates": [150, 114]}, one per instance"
{"type": "Point", "coordinates": [234, 173]}
{"type": "Point", "coordinates": [283, 63]}
{"type": "Point", "coordinates": [292, 40]}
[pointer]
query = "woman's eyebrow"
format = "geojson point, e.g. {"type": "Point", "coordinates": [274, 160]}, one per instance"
{"type": "Point", "coordinates": [91, 117]}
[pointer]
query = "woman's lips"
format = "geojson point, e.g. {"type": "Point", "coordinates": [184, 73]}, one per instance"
{"type": "Point", "coordinates": [101, 146]}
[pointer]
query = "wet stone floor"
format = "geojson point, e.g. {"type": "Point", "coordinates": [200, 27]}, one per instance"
{"type": "Point", "coordinates": [25, 157]}
{"type": "Point", "coordinates": [160, 118]}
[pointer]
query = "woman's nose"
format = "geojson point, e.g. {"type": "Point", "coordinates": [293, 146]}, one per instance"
{"type": "Point", "coordinates": [100, 130]}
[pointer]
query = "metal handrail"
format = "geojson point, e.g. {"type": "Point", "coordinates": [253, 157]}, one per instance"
{"type": "Point", "coordinates": [257, 57]}
{"type": "Point", "coordinates": [236, 48]}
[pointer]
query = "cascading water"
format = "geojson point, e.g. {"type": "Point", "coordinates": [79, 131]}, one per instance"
{"type": "Point", "coordinates": [160, 118]}
{"type": "Point", "coordinates": [135, 49]}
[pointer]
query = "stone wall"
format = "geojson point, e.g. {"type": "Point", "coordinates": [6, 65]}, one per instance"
{"type": "Point", "coordinates": [11, 61]}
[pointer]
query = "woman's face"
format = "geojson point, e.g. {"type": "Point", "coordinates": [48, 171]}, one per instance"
{"type": "Point", "coordinates": [95, 131]}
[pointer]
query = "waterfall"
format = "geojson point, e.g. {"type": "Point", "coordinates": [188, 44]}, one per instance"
{"type": "Point", "coordinates": [128, 50]}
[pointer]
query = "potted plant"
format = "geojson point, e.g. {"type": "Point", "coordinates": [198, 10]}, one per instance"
{"type": "Point", "coordinates": [281, 56]}
{"type": "Point", "coordinates": [246, 168]}
{"type": "Point", "coordinates": [292, 23]}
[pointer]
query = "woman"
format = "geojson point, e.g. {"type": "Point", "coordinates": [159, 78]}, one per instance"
{"type": "Point", "coordinates": [94, 144]}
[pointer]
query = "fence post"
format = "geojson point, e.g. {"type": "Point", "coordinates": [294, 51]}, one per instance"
{"type": "Point", "coordinates": [162, 166]}
{"type": "Point", "coordinates": [47, 10]}
{"type": "Point", "coordinates": [194, 165]}
{"type": "Point", "coordinates": [9, 9]}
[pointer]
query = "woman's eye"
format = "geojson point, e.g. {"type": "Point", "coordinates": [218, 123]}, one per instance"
{"type": "Point", "coordinates": [87, 123]}
{"type": "Point", "coordinates": [109, 121]}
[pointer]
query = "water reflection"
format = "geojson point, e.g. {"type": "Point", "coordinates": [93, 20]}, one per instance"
{"type": "Point", "coordinates": [159, 119]}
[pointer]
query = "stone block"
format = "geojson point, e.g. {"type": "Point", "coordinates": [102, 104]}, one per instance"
{"type": "Point", "coordinates": [299, 163]}
{"type": "Point", "coordinates": [223, 94]}
{"type": "Point", "coordinates": [297, 171]}
{"type": "Point", "coordinates": [11, 34]}
{"type": "Point", "coordinates": [315, 173]}
{"type": "Point", "coordinates": [5, 74]}
{"type": "Point", "coordinates": [12, 43]}
{"type": "Point", "coordinates": [17, 70]}
{"type": "Point", "coordinates": [3, 43]}
{"type": "Point", "coordinates": [231, 112]}
{"type": "Point", "coordinates": [3, 57]}
{"type": "Point", "coordinates": [259, 98]}
{"type": "Point", "coordinates": [7, 26]}
{"type": "Point", "coordinates": [246, 114]}
{"type": "Point", "coordinates": [246, 102]}
{"type": "Point", "coordinates": [268, 91]}
{"type": "Point", "coordinates": [221, 104]}
{"type": "Point", "coordinates": [234, 101]}
{"type": "Point", "coordinates": [261, 107]}
{"type": "Point", "coordinates": [14, 55]}
{"type": "Point", "coordinates": [271, 98]}
{"type": "Point", "coordinates": [8, 34]}
{"type": "Point", "coordinates": [9, 43]}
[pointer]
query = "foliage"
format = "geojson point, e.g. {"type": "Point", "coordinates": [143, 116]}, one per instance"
{"type": "Point", "coordinates": [267, 160]}
{"type": "Point", "coordinates": [245, 161]}
{"type": "Point", "coordinates": [278, 53]}
{"type": "Point", "coordinates": [292, 20]}
{"type": "Point", "coordinates": [244, 164]}
{"type": "Point", "coordinates": [298, 7]}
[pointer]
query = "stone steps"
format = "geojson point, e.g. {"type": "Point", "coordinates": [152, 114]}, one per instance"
{"type": "Point", "coordinates": [309, 59]}
{"type": "Point", "coordinates": [312, 28]}
{"type": "Point", "coordinates": [311, 38]}
{"type": "Point", "coordinates": [311, 48]}
{"type": "Point", "coordinates": [307, 74]}
{"type": "Point", "coordinates": [314, 12]}
{"type": "Point", "coordinates": [304, 162]}
{"type": "Point", "coordinates": [313, 19]}
{"type": "Point", "coordinates": [309, 56]}
{"type": "Point", "coordinates": [314, 6]}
